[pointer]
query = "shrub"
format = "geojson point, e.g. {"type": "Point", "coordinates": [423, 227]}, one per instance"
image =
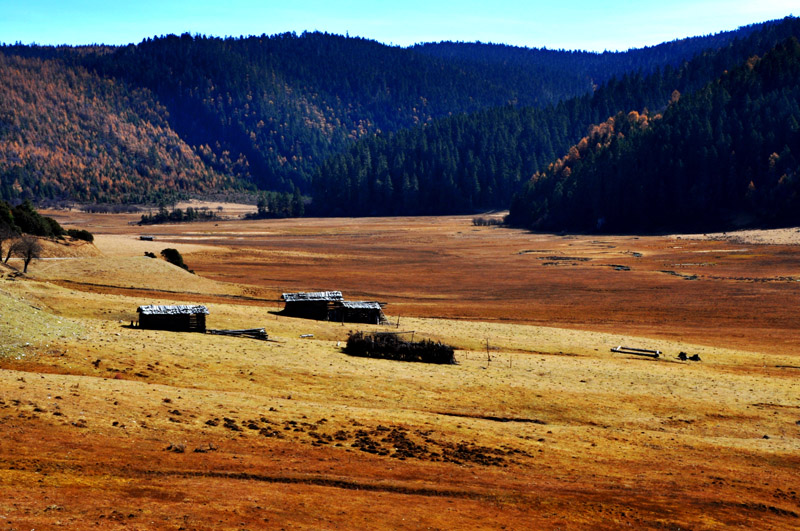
{"type": "Point", "coordinates": [6, 216]}
{"type": "Point", "coordinates": [387, 345]}
{"type": "Point", "coordinates": [80, 234]}
{"type": "Point", "coordinates": [177, 215]}
{"type": "Point", "coordinates": [487, 222]}
{"type": "Point", "coordinates": [109, 209]}
{"type": "Point", "coordinates": [54, 228]}
{"type": "Point", "coordinates": [174, 257]}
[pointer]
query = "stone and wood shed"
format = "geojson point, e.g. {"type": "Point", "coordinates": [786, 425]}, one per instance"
{"type": "Point", "coordinates": [178, 318]}
{"type": "Point", "coordinates": [331, 306]}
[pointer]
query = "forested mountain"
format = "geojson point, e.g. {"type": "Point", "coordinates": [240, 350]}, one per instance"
{"type": "Point", "coordinates": [730, 150]}
{"type": "Point", "coordinates": [195, 113]}
{"type": "Point", "coordinates": [285, 103]}
{"type": "Point", "coordinates": [478, 161]}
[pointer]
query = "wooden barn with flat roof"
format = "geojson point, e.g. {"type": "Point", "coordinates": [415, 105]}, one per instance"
{"type": "Point", "coordinates": [178, 318]}
{"type": "Point", "coordinates": [311, 305]}
{"type": "Point", "coordinates": [357, 312]}
{"type": "Point", "coordinates": [331, 306]}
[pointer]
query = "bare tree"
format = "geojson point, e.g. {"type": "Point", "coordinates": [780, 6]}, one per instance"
{"type": "Point", "coordinates": [11, 248]}
{"type": "Point", "coordinates": [6, 234]}
{"type": "Point", "coordinates": [28, 248]}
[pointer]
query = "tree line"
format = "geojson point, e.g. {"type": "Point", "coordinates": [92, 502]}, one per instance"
{"type": "Point", "coordinates": [178, 215]}
{"type": "Point", "coordinates": [279, 205]}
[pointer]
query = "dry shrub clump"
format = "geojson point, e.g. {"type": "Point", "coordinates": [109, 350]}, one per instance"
{"type": "Point", "coordinates": [388, 345]}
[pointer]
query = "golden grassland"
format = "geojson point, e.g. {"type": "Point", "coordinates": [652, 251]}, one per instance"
{"type": "Point", "coordinates": [113, 426]}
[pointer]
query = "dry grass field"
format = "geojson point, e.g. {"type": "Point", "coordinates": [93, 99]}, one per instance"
{"type": "Point", "coordinates": [114, 427]}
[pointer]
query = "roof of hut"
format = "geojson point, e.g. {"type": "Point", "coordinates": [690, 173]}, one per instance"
{"type": "Point", "coordinates": [361, 305]}
{"type": "Point", "coordinates": [315, 296]}
{"type": "Point", "coordinates": [181, 309]}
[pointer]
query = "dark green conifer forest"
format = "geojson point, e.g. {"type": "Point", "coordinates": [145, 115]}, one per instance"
{"type": "Point", "coordinates": [728, 152]}
{"type": "Point", "coordinates": [480, 160]}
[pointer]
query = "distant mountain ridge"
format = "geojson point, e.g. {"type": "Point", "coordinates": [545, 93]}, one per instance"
{"type": "Point", "coordinates": [203, 114]}
{"type": "Point", "coordinates": [597, 67]}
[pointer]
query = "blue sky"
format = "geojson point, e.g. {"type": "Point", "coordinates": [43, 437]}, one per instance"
{"type": "Point", "coordinates": [575, 24]}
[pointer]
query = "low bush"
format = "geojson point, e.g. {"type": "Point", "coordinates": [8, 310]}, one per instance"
{"type": "Point", "coordinates": [389, 346]}
{"type": "Point", "coordinates": [173, 256]}
{"type": "Point", "coordinates": [80, 234]}
{"type": "Point", "coordinates": [487, 222]}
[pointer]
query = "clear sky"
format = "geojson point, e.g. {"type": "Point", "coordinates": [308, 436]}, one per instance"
{"type": "Point", "coordinates": [570, 24]}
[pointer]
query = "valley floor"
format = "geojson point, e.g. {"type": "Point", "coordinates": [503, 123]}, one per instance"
{"type": "Point", "coordinates": [108, 425]}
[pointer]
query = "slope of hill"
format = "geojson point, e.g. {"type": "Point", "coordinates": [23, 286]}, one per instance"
{"type": "Point", "coordinates": [197, 113]}
{"type": "Point", "coordinates": [67, 133]}
{"type": "Point", "coordinates": [730, 150]}
{"type": "Point", "coordinates": [468, 162]}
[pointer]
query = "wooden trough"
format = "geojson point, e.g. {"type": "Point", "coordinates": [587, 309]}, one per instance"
{"type": "Point", "coordinates": [637, 351]}
{"type": "Point", "coordinates": [253, 333]}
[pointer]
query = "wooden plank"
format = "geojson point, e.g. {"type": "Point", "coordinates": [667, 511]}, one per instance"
{"type": "Point", "coordinates": [637, 351]}
{"type": "Point", "coordinates": [254, 333]}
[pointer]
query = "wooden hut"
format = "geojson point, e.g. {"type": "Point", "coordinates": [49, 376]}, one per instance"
{"type": "Point", "coordinates": [312, 305]}
{"type": "Point", "coordinates": [331, 306]}
{"type": "Point", "coordinates": [179, 318]}
{"type": "Point", "coordinates": [357, 312]}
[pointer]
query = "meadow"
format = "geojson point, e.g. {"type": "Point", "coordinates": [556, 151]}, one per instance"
{"type": "Point", "coordinates": [539, 425]}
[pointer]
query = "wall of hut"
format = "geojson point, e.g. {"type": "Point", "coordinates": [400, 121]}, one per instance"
{"type": "Point", "coordinates": [173, 322]}
{"type": "Point", "coordinates": [331, 306]}
{"type": "Point", "coordinates": [307, 309]}
{"type": "Point", "coordinates": [356, 315]}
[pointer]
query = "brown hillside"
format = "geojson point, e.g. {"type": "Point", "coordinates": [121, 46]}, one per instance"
{"type": "Point", "coordinates": [72, 133]}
